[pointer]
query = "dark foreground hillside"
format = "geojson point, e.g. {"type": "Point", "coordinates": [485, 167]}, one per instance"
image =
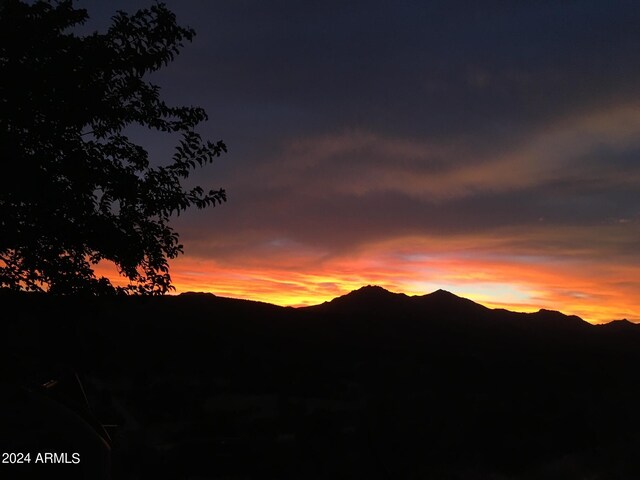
{"type": "Point", "coordinates": [371, 385]}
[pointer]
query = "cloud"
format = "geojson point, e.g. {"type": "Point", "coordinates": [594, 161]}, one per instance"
{"type": "Point", "coordinates": [338, 191]}
{"type": "Point", "coordinates": [579, 150]}
{"type": "Point", "coordinates": [500, 142]}
{"type": "Point", "coordinates": [598, 290]}
{"type": "Point", "coordinates": [520, 269]}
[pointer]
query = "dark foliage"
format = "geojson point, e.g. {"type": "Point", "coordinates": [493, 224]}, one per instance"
{"type": "Point", "coordinates": [75, 189]}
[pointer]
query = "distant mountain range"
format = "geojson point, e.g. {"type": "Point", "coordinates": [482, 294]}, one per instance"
{"type": "Point", "coordinates": [372, 384]}
{"type": "Point", "coordinates": [372, 317]}
{"type": "Point", "coordinates": [376, 301]}
{"type": "Point", "coordinates": [371, 298]}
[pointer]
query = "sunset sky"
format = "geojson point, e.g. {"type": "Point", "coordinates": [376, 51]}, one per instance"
{"type": "Point", "coordinates": [489, 148]}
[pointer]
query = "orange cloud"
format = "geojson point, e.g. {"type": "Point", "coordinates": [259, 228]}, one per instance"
{"type": "Point", "coordinates": [282, 250]}
{"type": "Point", "coordinates": [596, 291]}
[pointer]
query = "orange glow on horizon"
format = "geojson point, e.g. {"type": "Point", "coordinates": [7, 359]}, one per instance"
{"type": "Point", "coordinates": [536, 288]}
{"type": "Point", "coordinates": [598, 293]}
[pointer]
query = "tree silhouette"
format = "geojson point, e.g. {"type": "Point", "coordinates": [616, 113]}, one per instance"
{"type": "Point", "coordinates": [75, 190]}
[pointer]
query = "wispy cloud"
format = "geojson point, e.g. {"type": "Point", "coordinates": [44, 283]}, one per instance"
{"type": "Point", "coordinates": [416, 145]}
{"type": "Point", "coordinates": [496, 271]}
{"type": "Point", "coordinates": [576, 151]}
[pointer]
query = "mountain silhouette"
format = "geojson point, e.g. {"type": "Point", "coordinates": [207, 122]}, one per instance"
{"type": "Point", "coordinates": [623, 325]}
{"type": "Point", "coordinates": [371, 298]}
{"type": "Point", "coordinates": [366, 298]}
{"type": "Point", "coordinates": [439, 310]}
{"type": "Point", "coordinates": [372, 383]}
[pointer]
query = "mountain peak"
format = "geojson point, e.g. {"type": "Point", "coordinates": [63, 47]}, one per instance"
{"type": "Point", "coordinates": [193, 294]}
{"type": "Point", "coordinates": [370, 290]}
{"type": "Point", "coordinates": [621, 325]}
{"type": "Point", "coordinates": [375, 295]}
{"type": "Point", "coordinates": [366, 297]}
{"type": "Point", "coordinates": [371, 293]}
{"type": "Point", "coordinates": [440, 293]}
{"type": "Point", "coordinates": [444, 300]}
{"type": "Point", "coordinates": [449, 308]}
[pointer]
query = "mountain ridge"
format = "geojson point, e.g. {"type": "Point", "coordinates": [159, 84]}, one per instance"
{"type": "Point", "coordinates": [370, 372]}
{"type": "Point", "coordinates": [370, 297]}
{"type": "Point", "coordinates": [447, 299]}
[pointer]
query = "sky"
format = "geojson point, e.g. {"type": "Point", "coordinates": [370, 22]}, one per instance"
{"type": "Point", "coordinates": [489, 148]}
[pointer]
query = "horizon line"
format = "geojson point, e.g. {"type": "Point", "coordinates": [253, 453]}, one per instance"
{"type": "Point", "coordinates": [408, 295]}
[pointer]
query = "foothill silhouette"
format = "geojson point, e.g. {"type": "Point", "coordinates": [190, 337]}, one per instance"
{"type": "Point", "coordinates": [372, 383]}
